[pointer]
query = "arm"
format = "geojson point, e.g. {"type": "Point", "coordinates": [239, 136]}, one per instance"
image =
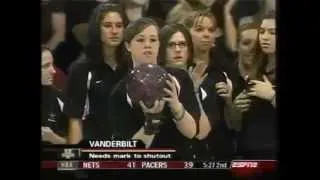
{"type": "Point", "coordinates": [204, 124]}
{"type": "Point", "coordinates": [75, 94]}
{"type": "Point", "coordinates": [49, 136]}
{"type": "Point", "coordinates": [197, 77]}
{"type": "Point", "coordinates": [241, 104]}
{"type": "Point", "coordinates": [263, 90]}
{"type": "Point", "coordinates": [230, 28]}
{"type": "Point", "coordinates": [59, 29]}
{"type": "Point", "coordinates": [75, 131]}
{"type": "Point", "coordinates": [186, 125]}
{"type": "Point", "coordinates": [232, 115]}
{"type": "Point", "coordinates": [146, 139]}
{"type": "Point", "coordinates": [58, 139]}
{"type": "Point", "coordinates": [228, 113]}
{"type": "Point", "coordinates": [151, 125]}
{"type": "Point", "coordinates": [184, 107]}
{"type": "Point", "coordinates": [125, 119]}
{"type": "Point", "coordinates": [176, 15]}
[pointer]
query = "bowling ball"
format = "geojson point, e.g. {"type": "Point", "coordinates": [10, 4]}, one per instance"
{"type": "Point", "coordinates": [146, 83]}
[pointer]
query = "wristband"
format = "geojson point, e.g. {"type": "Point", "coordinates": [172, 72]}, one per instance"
{"type": "Point", "coordinates": [151, 127]}
{"type": "Point", "coordinates": [179, 118]}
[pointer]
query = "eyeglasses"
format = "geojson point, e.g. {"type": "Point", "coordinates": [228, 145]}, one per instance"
{"type": "Point", "coordinates": [181, 45]}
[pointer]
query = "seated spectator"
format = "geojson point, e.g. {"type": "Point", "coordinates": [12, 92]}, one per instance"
{"type": "Point", "coordinates": [53, 121]}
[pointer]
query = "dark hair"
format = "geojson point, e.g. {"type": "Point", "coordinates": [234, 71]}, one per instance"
{"type": "Point", "coordinates": [93, 49]}
{"type": "Point", "coordinates": [261, 57]}
{"type": "Point", "coordinates": [217, 9]}
{"type": "Point", "coordinates": [165, 35]}
{"type": "Point", "coordinates": [195, 18]}
{"type": "Point", "coordinates": [138, 26]}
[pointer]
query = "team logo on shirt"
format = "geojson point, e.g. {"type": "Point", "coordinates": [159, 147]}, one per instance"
{"type": "Point", "coordinates": [203, 93]}
{"type": "Point", "coordinates": [52, 117]}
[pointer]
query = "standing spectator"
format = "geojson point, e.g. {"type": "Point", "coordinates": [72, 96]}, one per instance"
{"type": "Point", "coordinates": [176, 48]}
{"type": "Point", "coordinates": [186, 7]}
{"type": "Point", "coordinates": [213, 87]}
{"type": "Point", "coordinates": [92, 77]}
{"type": "Point", "coordinates": [246, 64]}
{"type": "Point", "coordinates": [256, 100]}
{"type": "Point", "coordinates": [233, 20]}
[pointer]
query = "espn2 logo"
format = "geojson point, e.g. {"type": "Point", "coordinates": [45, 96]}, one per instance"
{"type": "Point", "coordinates": [244, 164]}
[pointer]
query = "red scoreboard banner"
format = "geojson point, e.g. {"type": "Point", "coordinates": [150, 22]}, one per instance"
{"type": "Point", "coordinates": [237, 166]}
{"type": "Point", "coordinates": [97, 158]}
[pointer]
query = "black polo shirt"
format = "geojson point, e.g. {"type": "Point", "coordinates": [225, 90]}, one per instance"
{"type": "Point", "coordinates": [128, 119]}
{"type": "Point", "coordinates": [221, 58]}
{"type": "Point", "coordinates": [103, 78]}
{"type": "Point", "coordinates": [257, 138]}
{"type": "Point", "coordinates": [219, 143]}
{"type": "Point", "coordinates": [52, 115]}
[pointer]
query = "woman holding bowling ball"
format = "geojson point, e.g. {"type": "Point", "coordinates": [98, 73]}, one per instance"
{"type": "Point", "coordinates": [256, 99]}
{"type": "Point", "coordinates": [169, 121]}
